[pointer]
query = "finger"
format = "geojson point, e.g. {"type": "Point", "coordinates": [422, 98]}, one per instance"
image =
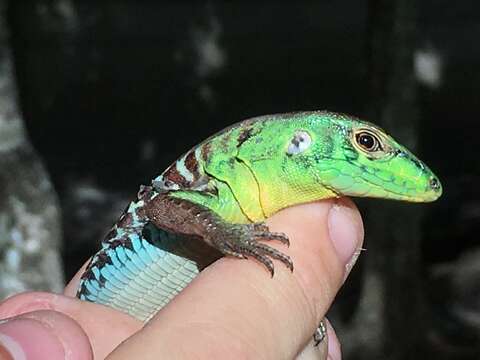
{"type": "Point", "coordinates": [43, 335]}
{"type": "Point", "coordinates": [105, 327]}
{"type": "Point", "coordinates": [233, 309]}
{"type": "Point", "coordinates": [334, 350]}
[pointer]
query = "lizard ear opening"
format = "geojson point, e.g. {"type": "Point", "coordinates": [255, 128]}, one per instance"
{"type": "Point", "coordinates": [300, 142]}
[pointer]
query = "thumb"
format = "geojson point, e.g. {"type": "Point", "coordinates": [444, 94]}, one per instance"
{"type": "Point", "coordinates": [43, 334]}
{"type": "Point", "coordinates": [233, 309]}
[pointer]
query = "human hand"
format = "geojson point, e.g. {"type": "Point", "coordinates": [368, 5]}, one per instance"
{"type": "Point", "coordinates": [233, 309]}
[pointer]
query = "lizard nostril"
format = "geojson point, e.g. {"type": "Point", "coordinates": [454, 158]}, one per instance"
{"type": "Point", "coordinates": [434, 184]}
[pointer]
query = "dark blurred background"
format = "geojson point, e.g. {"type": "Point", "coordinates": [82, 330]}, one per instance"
{"type": "Point", "coordinates": [111, 92]}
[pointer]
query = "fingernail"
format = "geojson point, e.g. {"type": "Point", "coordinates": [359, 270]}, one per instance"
{"type": "Point", "coordinates": [346, 232]}
{"type": "Point", "coordinates": [25, 339]}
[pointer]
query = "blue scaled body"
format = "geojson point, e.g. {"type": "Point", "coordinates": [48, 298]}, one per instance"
{"type": "Point", "coordinates": [140, 268]}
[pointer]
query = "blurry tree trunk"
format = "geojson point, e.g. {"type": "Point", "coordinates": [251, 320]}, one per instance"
{"type": "Point", "coordinates": [391, 321]}
{"type": "Point", "coordinates": [393, 263]}
{"type": "Point", "coordinates": [29, 212]}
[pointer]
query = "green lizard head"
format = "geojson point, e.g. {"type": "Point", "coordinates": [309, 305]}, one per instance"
{"type": "Point", "coordinates": [356, 158]}
{"type": "Point", "coordinates": [307, 156]}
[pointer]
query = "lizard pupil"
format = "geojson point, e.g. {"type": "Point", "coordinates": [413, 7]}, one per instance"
{"type": "Point", "coordinates": [367, 141]}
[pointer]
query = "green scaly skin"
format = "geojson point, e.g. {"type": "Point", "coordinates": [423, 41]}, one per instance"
{"type": "Point", "coordinates": [255, 176]}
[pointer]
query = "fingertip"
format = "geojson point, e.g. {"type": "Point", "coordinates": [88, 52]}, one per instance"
{"type": "Point", "coordinates": [326, 237]}
{"type": "Point", "coordinates": [44, 334]}
{"type": "Point", "coordinates": [345, 228]}
{"type": "Point", "coordinates": [104, 326]}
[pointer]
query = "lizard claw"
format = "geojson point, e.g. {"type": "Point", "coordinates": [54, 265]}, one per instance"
{"type": "Point", "coordinates": [266, 235]}
{"type": "Point", "coordinates": [260, 226]}
{"type": "Point", "coordinates": [261, 231]}
{"type": "Point", "coordinates": [242, 241]}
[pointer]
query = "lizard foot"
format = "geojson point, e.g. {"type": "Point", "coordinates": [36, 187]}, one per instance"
{"type": "Point", "coordinates": [242, 241]}
{"type": "Point", "coordinates": [238, 240]}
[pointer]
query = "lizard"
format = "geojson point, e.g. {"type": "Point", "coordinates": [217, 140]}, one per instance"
{"type": "Point", "coordinates": [214, 200]}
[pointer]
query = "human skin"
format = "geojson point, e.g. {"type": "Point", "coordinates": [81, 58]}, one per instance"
{"type": "Point", "coordinates": [233, 309]}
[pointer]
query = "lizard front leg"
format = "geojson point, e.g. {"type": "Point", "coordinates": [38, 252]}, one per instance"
{"type": "Point", "coordinates": [238, 240]}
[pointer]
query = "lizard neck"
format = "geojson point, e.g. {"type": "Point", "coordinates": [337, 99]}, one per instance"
{"type": "Point", "coordinates": [276, 193]}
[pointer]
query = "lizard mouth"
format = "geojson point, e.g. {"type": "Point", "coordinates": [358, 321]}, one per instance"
{"type": "Point", "coordinates": [375, 188]}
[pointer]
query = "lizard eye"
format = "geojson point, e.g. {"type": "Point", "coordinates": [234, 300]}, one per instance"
{"type": "Point", "coordinates": [368, 141]}
{"type": "Point", "coordinates": [300, 142]}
